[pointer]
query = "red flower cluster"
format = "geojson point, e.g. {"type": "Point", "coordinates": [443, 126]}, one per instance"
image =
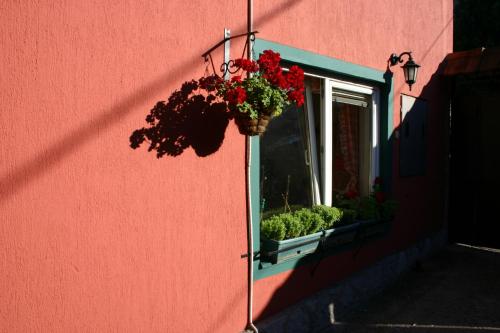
{"type": "Point", "coordinates": [269, 63]}
{"type": "Point", "coordinates": [247, 65]}
{"type": "Point", "coordinates": [267, 71]}
{"type": "Point", "coordinates": [236, 78]}
{"type": "Point", "coordinates": [295, 80]}
{"type": "Point", "coordinates": [296, 96]}
{"type": "Point", "coordinates": [236, 96]}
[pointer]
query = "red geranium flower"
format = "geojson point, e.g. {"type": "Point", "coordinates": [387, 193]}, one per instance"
{"type": "Point", "coordinates": [295, 78]}
{"type": "Point", "coordinates": [236, 78]}
{"type": "Point", "coordinates": [269, 90]}
{"type": "Point", "coordinates": [269, 62]}
{"type": "Point", "coordinates": [236, 96]}
{"type": "Point", "coordinates": [246, 65]}
{"type": "Point", "coordinates": [296, 96]}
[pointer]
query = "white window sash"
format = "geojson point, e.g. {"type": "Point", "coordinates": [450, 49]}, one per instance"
{"type": "Point", "coordinates": [326, 142]}
{"type": "Point", "coordinates": [325, 152]}
{"type": "Point", "coordinates": [322, 156]}
{"type": "Point", "coordinates": [312, 146]}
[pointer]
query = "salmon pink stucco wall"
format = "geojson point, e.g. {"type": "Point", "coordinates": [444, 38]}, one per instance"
{"type": "Point", "coordinates": [96, 237]}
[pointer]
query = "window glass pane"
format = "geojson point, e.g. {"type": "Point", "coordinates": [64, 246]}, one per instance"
{"type": "Point", "coordinates": [285, 164]}
{"type": "Point", "coordinates": [351, 147]}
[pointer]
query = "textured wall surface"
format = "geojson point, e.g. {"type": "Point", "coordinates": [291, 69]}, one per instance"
{"type": "Point", "coordinates": [96, 237]}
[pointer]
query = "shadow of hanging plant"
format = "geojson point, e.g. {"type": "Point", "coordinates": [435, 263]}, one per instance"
{"type": "Point", "coordinates": [192, 116]}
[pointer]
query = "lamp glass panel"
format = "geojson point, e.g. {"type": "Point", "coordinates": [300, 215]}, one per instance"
{"type": "Point", "coordinates": [410, 73]}
{"type": "Point", "coordinates": [414, 77]}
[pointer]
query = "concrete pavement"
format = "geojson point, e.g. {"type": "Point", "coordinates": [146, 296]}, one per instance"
{"type": "Point", "coordinates": [456, 290]}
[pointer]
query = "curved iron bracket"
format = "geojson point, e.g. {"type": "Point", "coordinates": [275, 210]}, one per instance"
{"type": "Point", "coordinates": [228, 67]}
{"type": "Point", "coordinates": [394, 58]}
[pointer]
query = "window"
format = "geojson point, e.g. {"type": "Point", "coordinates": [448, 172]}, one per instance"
{"type": "Point", "coordinates": [328, 146]}
{"type": "Point", "coordinates": [339, 140]}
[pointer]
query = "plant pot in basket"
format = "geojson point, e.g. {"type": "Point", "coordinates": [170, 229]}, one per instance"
{"type": "Point", "coordinates": [249, 126]}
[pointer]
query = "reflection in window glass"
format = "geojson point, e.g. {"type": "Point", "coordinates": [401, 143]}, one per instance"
{"type": "Point", "coordinates": [285, 167]}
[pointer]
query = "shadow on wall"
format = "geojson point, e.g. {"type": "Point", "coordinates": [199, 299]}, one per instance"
{"type": "Point", "coordinates": [189, 118]}
{"type": "Point", "coordinates": [475, 162]}
{"type": "Point", "coordinates": [422, 156]}
{"type": "Point", "coordinates": [326, 268]}
{"type": "Point", "coordinates": [26, 172]}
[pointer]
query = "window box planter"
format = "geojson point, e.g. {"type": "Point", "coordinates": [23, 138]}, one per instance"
{"type": "Point", "coordinates": [340, 235]}
{"type": "Point", "coordinates": [278, 251]}
{"type": "Point", "coordinates": [373, 228]}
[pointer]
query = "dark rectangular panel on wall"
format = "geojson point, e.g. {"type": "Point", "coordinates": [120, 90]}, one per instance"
{"type": "Point", "coordinates": [413, 136]}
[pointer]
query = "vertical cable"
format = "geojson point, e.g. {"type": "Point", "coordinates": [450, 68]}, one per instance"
{"type": "Point", "coordinates": [248, 154]}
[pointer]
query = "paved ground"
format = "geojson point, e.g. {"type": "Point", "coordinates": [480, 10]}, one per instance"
{"type": "Point", "coordinates": [457, 290]}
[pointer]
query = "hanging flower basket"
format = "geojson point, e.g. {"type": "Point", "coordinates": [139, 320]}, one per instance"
{"type": "Point", "coordinates": [263, 94]}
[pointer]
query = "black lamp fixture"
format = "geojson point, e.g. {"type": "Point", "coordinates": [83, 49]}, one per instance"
{"type": "Point", "coordinates": [409, 68]}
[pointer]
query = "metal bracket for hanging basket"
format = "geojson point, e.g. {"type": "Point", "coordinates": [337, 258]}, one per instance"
{"type": "Point", "coordinates": [228, 66]}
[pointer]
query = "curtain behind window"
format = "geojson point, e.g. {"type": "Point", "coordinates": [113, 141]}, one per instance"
{"type": "Point", "coordinates": [346, 148]}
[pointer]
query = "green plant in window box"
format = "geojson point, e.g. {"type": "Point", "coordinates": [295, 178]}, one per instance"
{"type": "Point", "coordinates": [288, 235]}
{"type": "Point", "coordinates": [311, 222]}
{"type": "Point", "coordinates": [348, 216]}
{"type": "Point", "coordinates": [331, 216]}
{"type": "Point", "coordinates": [273, 228]}
{"type": "Point", "coordinates": [368, 208]}
{"type": "Point", "coordinates": [293, 225]}
{"type": "Point", "coordinates": [374, 206]}
{"type": "Point", "coordinates": [374, 212]}
{"type": "Point", "coordinates": [272, 212]}
{"type": "Point", "coordinates": [302, 222]}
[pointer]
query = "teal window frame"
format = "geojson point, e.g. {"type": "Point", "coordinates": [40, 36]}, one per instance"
{"type": "Point", "coordinates": [329, 67]}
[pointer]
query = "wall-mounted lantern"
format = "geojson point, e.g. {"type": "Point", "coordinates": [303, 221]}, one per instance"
{"type": "Point", "coordinates": [409, 68]}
